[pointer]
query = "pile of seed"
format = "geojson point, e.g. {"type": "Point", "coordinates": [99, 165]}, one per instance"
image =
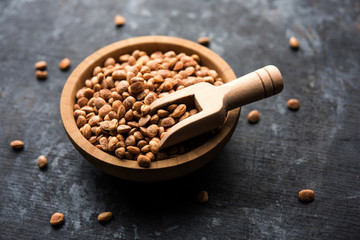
{"type": "Point", "coordinates": [112, 109]}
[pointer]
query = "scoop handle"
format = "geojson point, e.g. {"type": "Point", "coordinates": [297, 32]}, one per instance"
{"type": "Point", "coordinates": [262, 83]}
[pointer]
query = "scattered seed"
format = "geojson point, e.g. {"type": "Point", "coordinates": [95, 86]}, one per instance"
{"type": "Point", "coordinates": [203, 197]}
{"type": "Point", "coordinates": [64, 64]}
{"type": "Point", "coordinates": [41, 65]}
{"type": "Point", "coordinates": [119, 20]}
{"type": "Point", "coordinates": [57, 219]}
{"type": "Point", "coordinates": [294, 43]}
{"type": "Point", "coordinates": [41, 74]}
{"type": "Point", "coordinates": [204, 41]}
{"type": "Point", "coordinates": [306, 195]}
{"type": "Point", "coordinates": [293, 104]}
{"type": "Point", "coordinates": [104, 217]}
{"type": "Point", "coordinates": [17, 144]}
{"type": "Point", "coordinates": [42, 162]}
{"type": "Point", "coordinates": [254, 116]}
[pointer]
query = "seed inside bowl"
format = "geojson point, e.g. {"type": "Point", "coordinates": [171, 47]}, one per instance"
{"type": "Point", "coordinates": [112, 109]}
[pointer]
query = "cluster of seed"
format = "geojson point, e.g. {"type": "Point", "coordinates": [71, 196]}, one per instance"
{"type": "Point", "coordinates": [112, 109]}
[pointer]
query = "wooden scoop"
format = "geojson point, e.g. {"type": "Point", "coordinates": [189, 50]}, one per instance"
{"type": "Point", "coordinates": [213, 102]}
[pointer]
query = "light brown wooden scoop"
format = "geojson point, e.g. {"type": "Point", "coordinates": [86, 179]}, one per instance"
{"type": "Point", "coordinates": [214, 102]}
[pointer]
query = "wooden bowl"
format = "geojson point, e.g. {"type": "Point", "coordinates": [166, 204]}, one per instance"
{"type": "Point", "coordinates": [129, 169]}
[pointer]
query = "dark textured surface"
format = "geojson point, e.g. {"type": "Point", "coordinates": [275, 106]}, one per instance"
{"type": "Point", "coordinates": [253, 183]}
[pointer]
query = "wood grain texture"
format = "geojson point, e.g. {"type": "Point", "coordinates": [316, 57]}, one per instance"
{"type": "Point", "coordinates": [159, 170]}
{"type": "Point", "coordinates": [253, 184]}
{"type": "Point", "coordinates": [213, 102]}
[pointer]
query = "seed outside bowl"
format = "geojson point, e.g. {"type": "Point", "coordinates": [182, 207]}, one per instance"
{"type": "Point", "coordinates": [129, 169]}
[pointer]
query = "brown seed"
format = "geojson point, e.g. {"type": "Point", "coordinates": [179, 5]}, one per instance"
{"type": "Point", "coordinates": [137, 106]}
{"type": "Point", "coordinates": [113, 125]}
{"type": "Point", "coordinates": [254, 116]}
{"type": "Point", "coordinates": [64, 64]}
{"type": "Point", "coordinates": [203, 197]}
{"type": "Point", "coordinates": [105, 94]}
{"type": "Point", "coordinates": [154, 147]}
{"type": "Point", "coordinates": [128, 102]}
{"type": "Point", "coordinates": [124, 58]}
{"type": "Point", "coordinates": [94, 121]}
{"type": "Point", "coordinates": [133, 150]}
{"type": "Point", "coordinates": [145, 149]}
{"type": "Point", "coordinates": [178, 66]}
{"type": "Point", "coordinates": [306, 195]}
{"type": "Point", "coordinates": [196, 57]}
{"type": "Point", "coordinates": [293, 42]}
{"type": "Point", "coordinates": [129, 115]}
{"type": "Point", "coordinates": [104, 217]}
{"type": "Point", "coordinates": [154, 119]}
{"type": "Point", "coordinates": [123, 129]}
{"type": "Point", "coordinates": [17, 144]}
{"type": "Point", "coordinates": [143, 161]}
{"type": "Point", "coordinates": [81, 121]}
{"type": "Point", "coordinates": [120, 152]}
{"type": "Point", "coordinates": [141, 143]}
{"type": "Point", "coordinates": [119, 75]}
{"type": "Point", "coordinates": [184, 116]}
{"type": "Point", "coordinates": [204, 40]}
{"type": "Point", "coordinates": [138, 135]}
{"type": "Point", "coordinates": [152, 130]}
{"type": "Point", "coordinates": [104, 143]}
{"type": "Point", "coordinates": [78, 113]}
{"type": "Point", "coordinates": [151, 156]}
{"type": "Point", "coordinates": [129, 156]}
{"type": "Point", "coordinates": [41, 74]}
{"type": "Point", "coordinates": [122, 86]}
{"type": "Point", "coordinates": [162, 113]}
{"type": "Point", "coordinates": [42, 162]}
{"type": "Point", "coordinates": [150, 98]}
{"type": "Point", "coordinates": [109, 62]}
{"type": "Point", "coordinates": [41, 65]}
{"type": "Point", "coordinates": [293, 104]}
{"type": "Point", "coordinates": [137, 87]}
{"type": "Point", "coordinates": [104, 110]}
{"type": "Point", "coordinates": [119, 21]}
{"type": "Point", "coordinates": [121, 111]}
{"type": "Point", "coordinates": [133, 124]}
{"type": "Point", "coordinates": [167, 122]}
{"type": "Point", "coordinates": [89, 93]}
{"type": "Point", "coordinates": [144, 120]}
{"type": "Point", "coordinates": [87, 131]}
{"type": "Point", "coordinates": [130, 141]}
{"type": "Point", "coordinates": [193, 112]}
{"type": "Point", "coordinates": [82, 101]}
{"type": "Point", "coordinates": [179, 111]}
{"type": "Point", "coordinates": [57, 219]}
{"type": "Point", "coordinates": [112, 143]}
{"type": "Point", "coordinates": [87, 109]}
{"type": "Point", "coordinates": [172, 107]}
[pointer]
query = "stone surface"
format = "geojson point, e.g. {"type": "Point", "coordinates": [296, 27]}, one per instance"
{"type": "Point", "coordinates": [253, 184]}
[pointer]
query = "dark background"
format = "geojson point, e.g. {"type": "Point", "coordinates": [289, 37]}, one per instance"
{"type": "Point", "coordinates": [252, 184]}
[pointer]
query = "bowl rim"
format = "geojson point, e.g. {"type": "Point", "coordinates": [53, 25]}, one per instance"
{"type": "Point", "coordinates": [81, 143]}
